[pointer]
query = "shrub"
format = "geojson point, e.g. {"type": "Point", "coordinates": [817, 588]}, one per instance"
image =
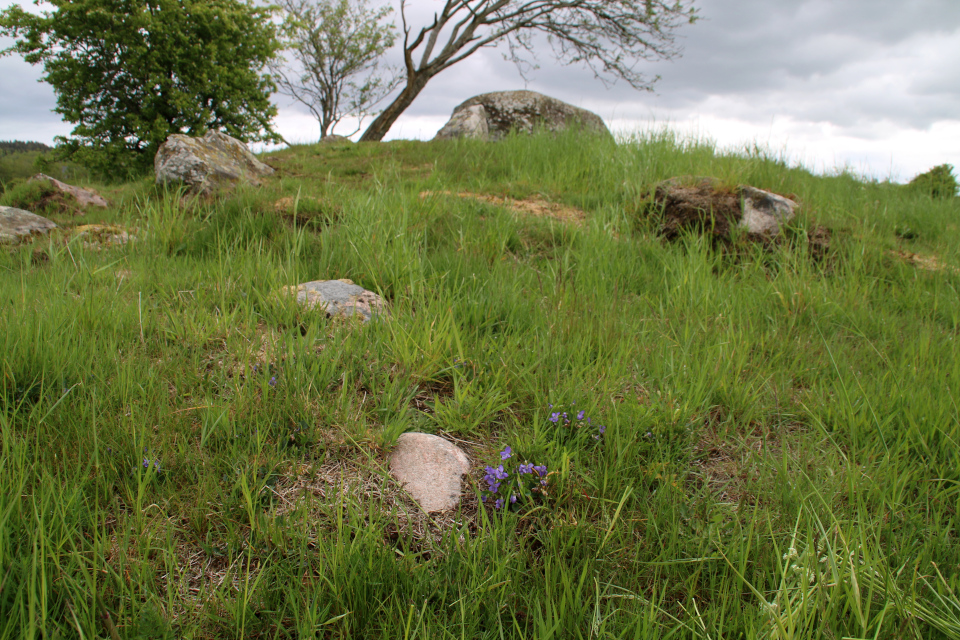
{"type": "Point", "coordinates": [939, 182]}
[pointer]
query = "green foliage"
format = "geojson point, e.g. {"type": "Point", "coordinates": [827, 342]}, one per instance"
{"type": "Point", "coordinates": [938, 182]}
{"type": "Point", "coordinates": [128, 73]}
{"type": "Point", "coordinates": [336, 46]}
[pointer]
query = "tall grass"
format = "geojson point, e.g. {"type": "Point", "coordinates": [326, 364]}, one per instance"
{"type": "Point", "coordinates": [188, 455]}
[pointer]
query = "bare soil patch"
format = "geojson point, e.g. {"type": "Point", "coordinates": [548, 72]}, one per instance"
{"type": "Point", "coordinates": [926, 263]}
{"type": "Point", "coordinates": [727, 464]}
{"type": "Point", "coordinates": [535, 206]}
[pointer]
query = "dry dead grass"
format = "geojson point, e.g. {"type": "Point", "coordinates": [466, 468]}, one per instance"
{"type": "Point", "coordinates": [536, 206]}
{"type": "Point", "coordinates": [926, 263]}
{"type": "Point", "coordinates": [358, 481]}
{"type": "Point", "coordinates": [728, 463]}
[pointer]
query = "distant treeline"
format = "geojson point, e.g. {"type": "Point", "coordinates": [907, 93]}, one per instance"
{"type": "Point", "coordinates": [15, 146]}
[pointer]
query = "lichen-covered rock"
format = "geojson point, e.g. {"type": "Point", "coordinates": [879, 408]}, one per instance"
{"type": "Point", "coordinates": [17, 224]}
{"type": "Point", "coordinates": [96, 236]}
{"type": "Point", "coordinates": [207, 163]}
{"type": "Point", "coordinates": [83, 197]}
{"type": "Point", "coordinates": [430, 469]}
{"type": "Point", "coordinates": [707, 205]}
{"type": "Point", "coordinates": [467, 123]}
{"type": "Point", "coordinates": [525, 112]}
{"type": "Point", "coordinates": [339, 298]}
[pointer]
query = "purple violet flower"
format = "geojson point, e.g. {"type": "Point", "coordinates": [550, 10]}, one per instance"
{"type": "Point", "coordinates": [554, 417]}
{"type": "Point", "coordinates": [524, 469]}
{"type": "Point", "coordinates": [541, 470]}
{"type": "Point", "coordinates": [507, 453]}
{"type": "Point", "coordinates": [603, 429]}
{"type": "Point", "coordinates": [580, 415]}
{"type": "Point", "coordinates": [498, 504]}
{"type": "Point", "coordinates": [513, 498]}
{"type": "Point", "coordinates": [273, 381]}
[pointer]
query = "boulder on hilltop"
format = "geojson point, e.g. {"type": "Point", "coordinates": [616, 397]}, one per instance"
{"type": "Point", "coordinates": [207, 163]}
{"type": "Point", "coordinates": [491, 116]}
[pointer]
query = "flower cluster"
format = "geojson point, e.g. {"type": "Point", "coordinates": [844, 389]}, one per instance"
{"type": "Point", "coordinates": [575, 424]}
{"type": "Point", "coordinates": [521, 480]}
{"type": "Point", "coordinates": [150, 463]}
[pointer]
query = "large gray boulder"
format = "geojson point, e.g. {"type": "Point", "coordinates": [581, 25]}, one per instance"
{"type": "Point", "coordinates": [207, 163]}
{"type": "Point", "coordinates": [522, 111]}
{"type": "Point", "coordinates": [466, 123]}
{"type": "Point", "coordinates": [338, 298]}
{"type": "Point", "coordinates": [17, 224]}
{"type": "Point", "coordinates": [430, 469]}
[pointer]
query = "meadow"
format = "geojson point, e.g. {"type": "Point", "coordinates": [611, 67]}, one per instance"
{"type": "Point", "coordinates": [188, 454]}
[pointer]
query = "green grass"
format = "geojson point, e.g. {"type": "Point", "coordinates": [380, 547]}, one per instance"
{"type": "Point", "coordinates": [781, 451]}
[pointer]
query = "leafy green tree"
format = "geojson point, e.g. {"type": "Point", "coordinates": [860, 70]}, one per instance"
{"type": "Point", "coordinates": [939, 182]}
{"type": "Point", "coordinates": [335, 48]}
{"type": "Point", "coordinates": [128, 73]}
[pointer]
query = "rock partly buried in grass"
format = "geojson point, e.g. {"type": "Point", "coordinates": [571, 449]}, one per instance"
{"type": "Point", "coordinates": [17, 224]}
{"type": "Point", "coordinates": [520, 111]}
{"type": "Point", "coordinates": [339, 298]}
{"type": "Point", "coordinates": [207, 163]}
{"type": "Point", "coordinates": [430, 469]}
{"type": "Point", "coordinates": [83, 197]}
{"type": "Point", "coordinates": [765, 213]}
{"type": "Point", "coordinates": [96, 236]}
{"type": "Point", "coordinates": [708, 206]}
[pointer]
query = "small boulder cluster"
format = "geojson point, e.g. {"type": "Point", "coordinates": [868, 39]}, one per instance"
{"type": "Point", "coordinates": [708, 206]}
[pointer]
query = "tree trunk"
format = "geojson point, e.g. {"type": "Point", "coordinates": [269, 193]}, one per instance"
{"type": "Point", "coordinates": [381, 125]}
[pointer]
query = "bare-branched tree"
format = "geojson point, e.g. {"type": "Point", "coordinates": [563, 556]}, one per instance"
{"type": "Point", "coordinates": [610, 36]}
{"type": "Point", "coordinates": [333, 50]}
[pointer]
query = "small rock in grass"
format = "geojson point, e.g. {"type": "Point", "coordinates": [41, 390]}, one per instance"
{"type": "Point", "coordinates": [764, 213]}
{"type": "Point", "coordinates": [339, 298]}
{"type": "Point", "coordinates": [430, 469]}
{"type": "Point", "coordinates": [16, 224]}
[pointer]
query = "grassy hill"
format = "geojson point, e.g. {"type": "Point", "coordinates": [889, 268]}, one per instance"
{"type": "Point", "coordinates": [20, 160]}
{"type": "Point", "coordinates": [186, 454]}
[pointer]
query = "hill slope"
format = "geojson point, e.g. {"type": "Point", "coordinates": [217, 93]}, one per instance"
{"type": "Point", "coordinates": [188, 454]}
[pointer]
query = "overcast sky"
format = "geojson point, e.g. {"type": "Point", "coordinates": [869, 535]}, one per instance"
{"type": "Point", "coordinates": [871, 85]}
